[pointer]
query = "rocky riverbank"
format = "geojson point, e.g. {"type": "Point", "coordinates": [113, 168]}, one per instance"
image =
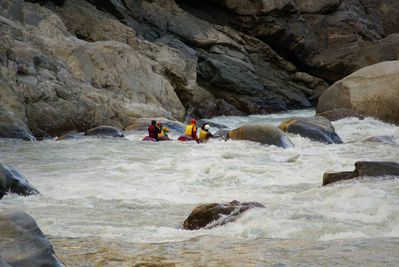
{"type": "Point", "coordinates": [73, 65]}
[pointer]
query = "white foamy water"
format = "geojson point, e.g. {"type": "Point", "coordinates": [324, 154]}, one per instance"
{"type": "Point", "coordinates": [134, 191]}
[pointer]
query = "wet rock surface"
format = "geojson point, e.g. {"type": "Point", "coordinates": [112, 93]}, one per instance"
{"type": "Point", "coordinates": [22, 243]}
{"type": "Point", "coordinates": [14, 182]}
{"type": "Point", "coordinates": [217, 214]}
{"type": "Point", "coordinates": [364, 168]}
{"type": "Point", "coordinates": [316, 128]}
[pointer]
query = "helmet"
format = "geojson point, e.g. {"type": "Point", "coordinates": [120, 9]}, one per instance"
{"type": "Point", "coordinates": [159, 123]}
{"type": "Point", "coordinates": [193, 121]}
{"type": "Point", "coordinates": [206, 127]}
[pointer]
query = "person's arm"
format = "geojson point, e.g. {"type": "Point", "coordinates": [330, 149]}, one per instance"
{"type": "Point", "coordinates": [195, 135]}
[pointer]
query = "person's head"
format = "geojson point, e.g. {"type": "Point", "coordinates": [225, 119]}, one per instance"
{"type": "Point", "coordinates": [159, 124]}
{"type": "Point", "coordinates": [193, 121]}
{"type": "Point", "coordinates": [206, 127]}
{"type": "Point", "coordinates": [153, 122]}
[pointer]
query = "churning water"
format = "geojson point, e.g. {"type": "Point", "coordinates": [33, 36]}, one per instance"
{"type": "Point", "coordinates": [139, 193]}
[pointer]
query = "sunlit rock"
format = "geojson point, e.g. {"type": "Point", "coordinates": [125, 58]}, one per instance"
{"type": "Point", "coordinates": [217, 214]}
{"type": "Point", "coordinates": [261, 132]}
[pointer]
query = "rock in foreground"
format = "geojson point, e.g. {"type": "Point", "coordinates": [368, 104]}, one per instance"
{"type": "Point", "coordinates": [363, 168]}
{"type": "Point", "coordinates": [22, 243]}
{"type": "Point", "coordinates": [316, 128]}
{"type": "Point", "coordinates": [372, 91]}
{"type": "Point", "coordinates": [262, 133]}
{"type": "Point", "coordinates": [13, 181]}
{"type": "Point", "coordinates": [216, 214]}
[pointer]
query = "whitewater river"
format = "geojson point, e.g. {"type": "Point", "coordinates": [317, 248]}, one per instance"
{"type": "Point", "coordinates": [121, 202]}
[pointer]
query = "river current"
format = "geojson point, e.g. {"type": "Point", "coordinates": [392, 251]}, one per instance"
{"type": "Point", "coordinates": [131, 197]}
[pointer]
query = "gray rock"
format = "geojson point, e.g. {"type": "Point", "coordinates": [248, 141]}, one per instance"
{"type": "Point", "coordinates": [142, 124]}
{"type": "Point", "coordinates": [372, 91]}
{"type": "Point", "coordinates": [22, 243]}
{"type": "Point", "coordinates": [13, 181]}
{"type": "Point", "coordinates": [316, 128]}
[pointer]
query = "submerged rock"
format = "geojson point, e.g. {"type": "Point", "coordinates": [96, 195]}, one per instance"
{"type": "Point", "coordinates": [363, 168]}
{"type": "Point", "coordinates": [263, 133]}
{"type": "Point", "coordinates": [105, 131]}
{"type": "Point", "coordinates": [384, 139]}
{"type": "Point", "coordinates": [13, 181]}
{"type": "Point", "coordinates": [22, 242]}
{"type": "Point", "coordinates": [70, 135]}
{"type": "Point", "coordinates": [316, 128]}
{"type": "Point", "coordinates": [372, 91]}
{"type": "Point", "coordinates": [340, 113]}
{"type": "Point", "coordinates": [217, 214]}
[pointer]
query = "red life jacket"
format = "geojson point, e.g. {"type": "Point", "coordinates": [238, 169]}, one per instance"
{"type": "Point", "coordinates": [152, 132]}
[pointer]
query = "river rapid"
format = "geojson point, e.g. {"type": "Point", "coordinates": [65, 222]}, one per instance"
{"type": "Point", "coordinates": [108, 202]}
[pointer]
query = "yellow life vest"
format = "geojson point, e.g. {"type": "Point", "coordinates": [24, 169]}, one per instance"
{"type": "Point", "coordinates": [189, 129]}
{"type": "Point", "coordinates": [161, 134]}
{"type": "Point", "coordinates": [203, 135]}
{"type": "Point", "coordinates": [164, 132]}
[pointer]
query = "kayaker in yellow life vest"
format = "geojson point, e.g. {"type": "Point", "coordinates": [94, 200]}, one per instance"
{"type": "Point", "coordinates": [191, 131]}
{"type": "Point", "coordinates": [163, 133]}
{"type": "Point", "coordinates": [204, 133]}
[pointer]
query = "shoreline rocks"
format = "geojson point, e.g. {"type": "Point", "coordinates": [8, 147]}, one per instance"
{"type": "Point", "coordinates": [216, 214]}
{"type": "Point", "coordinates": [363, 168]}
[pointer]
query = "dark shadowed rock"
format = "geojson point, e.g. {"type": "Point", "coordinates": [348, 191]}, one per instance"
{"type": "Point", "coordinates": [22, 243]}
{"type": "Point", "coordinates": [105, 131]}
{"type": "Point", "coordinates": [316, 128]}
{"type": "Point", "coordinates": [13, 181]}
{"type": "Point", "coordinates": [340, 113]}
{"type": "Point", "coordinates": [216, 214]}
{"type": "Point", "coordinates": [364, 168]}
{"type": "Point", "coordinates": [261, 132]}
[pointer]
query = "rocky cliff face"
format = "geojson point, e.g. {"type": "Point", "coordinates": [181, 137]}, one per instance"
{"type": "Point", "coordinates": [77, 64]}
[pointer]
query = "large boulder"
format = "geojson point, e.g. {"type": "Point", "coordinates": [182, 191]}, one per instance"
{"type": "Point", "coordinates": [316, 128]}
{"type": "Point", "coordinates": [261, 132]}
{"type": "Point", "coordinates": [13, 181]}
{"type": "Point", "coordinates": [371, 91]}
{"type": "Point", "coordinates": [105, 131]}
{"type": "Point", "coordinates": [216, 214]}
{"type": "Point", "coordinates": [363, 168]}
{"type": "Point", "coordinates": [22, 243]}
